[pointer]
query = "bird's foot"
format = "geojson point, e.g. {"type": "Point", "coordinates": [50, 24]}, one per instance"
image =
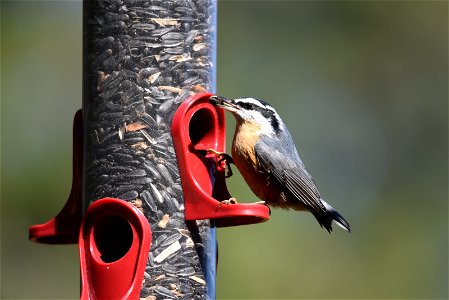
{"type": "Point", "coordinates": [227, 202]}
{"type": "Point", "coordinates": [223, 157]}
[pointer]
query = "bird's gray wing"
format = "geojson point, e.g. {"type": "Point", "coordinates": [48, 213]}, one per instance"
{"type": "Point", "coordinates": [289, 171]}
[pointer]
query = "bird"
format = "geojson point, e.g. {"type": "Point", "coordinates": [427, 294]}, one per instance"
{"type": "Point", "coordinates": [265, 155]}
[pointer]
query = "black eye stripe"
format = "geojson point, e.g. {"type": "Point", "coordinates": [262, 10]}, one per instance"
{"type": "Point", "coordinates": [246, 105]}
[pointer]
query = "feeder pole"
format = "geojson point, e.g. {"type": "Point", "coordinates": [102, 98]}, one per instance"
{"type": "Point", "coordinates": [142, 59]}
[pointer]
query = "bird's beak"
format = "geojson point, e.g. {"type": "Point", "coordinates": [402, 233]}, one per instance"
{"type": "Point", "coordinates": [227, 104]}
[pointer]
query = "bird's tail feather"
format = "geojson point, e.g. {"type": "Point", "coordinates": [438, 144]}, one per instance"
{"type": "Point", "coordinates": [332, 215]}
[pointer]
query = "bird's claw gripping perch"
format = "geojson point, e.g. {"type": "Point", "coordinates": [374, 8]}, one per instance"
{"type": "Point", "coordinates": [223, 157]}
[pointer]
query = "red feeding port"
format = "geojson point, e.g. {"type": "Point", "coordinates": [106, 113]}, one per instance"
{"type": "Point", "coordinates": [198, 126]}
{"type": "Point", "coordinates": [64, 228]}
{"type": "Point", "coordinates": [114, 242]}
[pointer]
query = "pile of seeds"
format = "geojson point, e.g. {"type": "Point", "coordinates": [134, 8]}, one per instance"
{"type": "Point", "coordinates": [142, 59]}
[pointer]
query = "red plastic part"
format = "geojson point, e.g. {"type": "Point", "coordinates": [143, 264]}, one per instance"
{"type": "Point", "coordinates": [114, 243]}
{"type": "Point", "coordinates": [64, 228]}
{"type": "Point", "coordinates": [198, 126]}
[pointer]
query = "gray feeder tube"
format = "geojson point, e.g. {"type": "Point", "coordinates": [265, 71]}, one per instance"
{"type": "Point", "coordinates": [142, 59]}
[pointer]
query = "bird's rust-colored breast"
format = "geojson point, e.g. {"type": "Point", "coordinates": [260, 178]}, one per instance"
{"type": "Point", "coordinates": [245, 137]}
{"type": "Point", "coordinates": [244, 156]}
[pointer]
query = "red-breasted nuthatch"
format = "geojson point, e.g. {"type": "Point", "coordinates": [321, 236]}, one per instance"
{"type": "Point", "coordinates": [264, 153]}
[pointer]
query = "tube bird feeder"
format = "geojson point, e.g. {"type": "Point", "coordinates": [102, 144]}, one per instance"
{"type": "Point", "coordinates": [142, 60]}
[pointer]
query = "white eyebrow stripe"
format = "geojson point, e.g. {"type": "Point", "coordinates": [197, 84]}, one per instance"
{"type": "Point", "coordinates": [250, 100]}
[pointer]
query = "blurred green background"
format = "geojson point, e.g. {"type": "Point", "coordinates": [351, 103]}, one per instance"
{"type": "Point", "coordinates": [363, 87]}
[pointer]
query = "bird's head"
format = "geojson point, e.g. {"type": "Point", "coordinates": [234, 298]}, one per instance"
{"type": "Point", "coordinates": [251, 110]}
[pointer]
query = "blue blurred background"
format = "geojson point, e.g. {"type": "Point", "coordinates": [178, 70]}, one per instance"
{"type": "Point", "coordinates": [363, 87]}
